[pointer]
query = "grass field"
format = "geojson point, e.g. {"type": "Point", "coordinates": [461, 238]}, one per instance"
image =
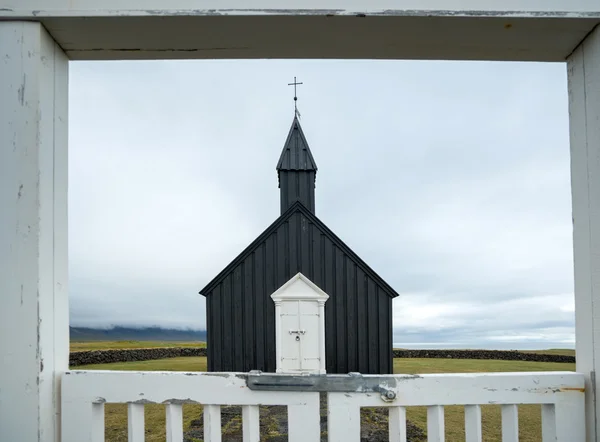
{"type": "Point", "coordinates": [119, 345]}
{"type": "Point", "coordinates": [529, 416]}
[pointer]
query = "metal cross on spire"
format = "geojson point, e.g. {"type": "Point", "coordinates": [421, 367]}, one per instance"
{"type": "Point", "coordinates": [295, 83]}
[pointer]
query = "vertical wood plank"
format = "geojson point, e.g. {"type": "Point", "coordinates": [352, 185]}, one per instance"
{"type": "Point", "coordinates": [76, 421]}
{"type": "Point", "coordinates": [548, 423]}
{"type": "Point", "coordinates": [343, 418]}
{"type": "Point", "coordinates": [435, 424]}
{"type": "Point", "coordinates": [33, 230]}
{"type": "Point", "coordinates": [584, 113]}
{"type": "Point", "coordinates": [251, 423]}
{"type": "Point", "coordinates": [174, 423]}
{"type": "Point", "coordinates": [569, 416]}
{"type": "Point", "coordinates": [397, 424]}
{"type": "Point", "coordinates": [135, 423]}
{"type": "Point", "coordinates": [304, 421]}
{"type": "Point", "coordinates": [98, 424]}
{"type": "Point", "coordinates": [473, 431]}
{"type": "Point", "coordinates": [212, 423]}
{"type": "Point", "coordinates": [473, 423]}
{"type": "Point", "coordinates": [510, 423]}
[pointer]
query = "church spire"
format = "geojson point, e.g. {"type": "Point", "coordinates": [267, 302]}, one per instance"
{"type": "Point", "coordinates": [296, 170]}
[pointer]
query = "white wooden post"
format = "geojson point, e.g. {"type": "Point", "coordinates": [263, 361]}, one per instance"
{"type": "Point", "coordinates": [34, 313]}
{"type": "Point", "coordinates": [584, 111]}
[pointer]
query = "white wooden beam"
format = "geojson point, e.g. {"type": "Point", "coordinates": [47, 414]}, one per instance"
{"type": "Point", "coordinates": [33, 232]}
{"type": "Point", "coordinates": [584, 111]}
{"type": "Point", "coordinates": [552, 8]}
{"type": "Point", "coordinates": [350, 29]}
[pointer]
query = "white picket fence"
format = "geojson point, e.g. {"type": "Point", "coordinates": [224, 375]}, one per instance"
{"type": "Point", "coordinates": [84, 394]}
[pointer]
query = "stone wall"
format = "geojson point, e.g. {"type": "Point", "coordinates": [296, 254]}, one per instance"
{"type": "Point", "coordinates": [128, 355]}
{"type": "Point", "coordinates": [146, 354]}
{"type": "Point", "coordinates": [483, 354]}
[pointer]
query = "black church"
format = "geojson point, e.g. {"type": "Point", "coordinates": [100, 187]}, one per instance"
{"type": "Point", "coordinates": [240, 313]}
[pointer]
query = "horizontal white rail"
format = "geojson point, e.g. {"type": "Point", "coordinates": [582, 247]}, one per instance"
{"type": "Point", "coordinates": [84, 394]}
{"type": "Point", "coordinates": [561, 395]}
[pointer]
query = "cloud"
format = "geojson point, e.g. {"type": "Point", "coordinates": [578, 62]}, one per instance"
{"type": "Point", "coordinates": [450, 179]}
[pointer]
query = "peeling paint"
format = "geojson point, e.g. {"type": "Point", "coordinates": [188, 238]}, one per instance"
{"type": "Point", "coordinates": [580, 390]}
{"type": "Point", "coordinates": [176, 401]}
{"type": "Point", "coordinates": [233, 48]}
{"type": "Point", "coordinates": [21, 91]}
{"type": "Point", "coordinates": [142, 402]}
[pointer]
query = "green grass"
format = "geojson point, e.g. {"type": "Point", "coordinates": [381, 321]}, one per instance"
{"type": "Point", "coordinates": [170, 364]}
{"type": "Point", "coordinates": [118, 345]}
{"type": "Point", "coordinates": [529, 415]}
{"type": "Point", "coordinates": [530, 422]}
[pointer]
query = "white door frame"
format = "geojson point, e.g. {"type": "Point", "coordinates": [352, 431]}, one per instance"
{"type": "Point", "coordinates": [37, 37]}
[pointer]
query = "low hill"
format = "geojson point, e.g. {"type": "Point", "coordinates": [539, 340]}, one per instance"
{"type": "Point", "coordinates": [78, 334]}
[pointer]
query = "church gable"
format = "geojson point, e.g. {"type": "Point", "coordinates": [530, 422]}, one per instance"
{"type": "Point", "coordinates": [299, 242]}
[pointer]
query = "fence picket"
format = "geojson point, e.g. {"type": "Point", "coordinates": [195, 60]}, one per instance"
{"type": "Point", "coordinates": [251, 423]}
{"type": "Point", "coordinates": [174, 423]}
{"type": "Point", "coordinates": [435, 423]}
{"type": "Point", "coordinates": [397, 424]}
{"type": "Point", "coordinates": [570, 418]}
{"type": "Point", "coordinates": [135, 423]}
{"type": "Point", "coordinates": [304, 421]}
{"type": "Point", "coordinates": [343, 418]}
{"type": "Point", "coordinates": [473, 431]}
{"type": "Point", "coordinates": [510, 423]}
{"type": "Point", "coordinates": [212, 423]}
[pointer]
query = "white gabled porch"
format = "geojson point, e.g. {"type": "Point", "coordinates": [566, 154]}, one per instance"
{"type": "Point", "coordinates": [38, 394]}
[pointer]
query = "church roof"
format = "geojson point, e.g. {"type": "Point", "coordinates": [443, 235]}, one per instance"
{"type": "Point", "coordinates": [296, 154]}
{"type": "Point", "coordinates": [273, 228]}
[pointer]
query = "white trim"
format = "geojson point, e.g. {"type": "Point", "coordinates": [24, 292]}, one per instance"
{"type": "Point", "coordinates": [584, 112]}
{"type": "Point", "coordinates": [281, 293]}
{"type": "Point", "coordinates": [286, 294]}
{"type": "Point", "coordinates": [34, 309]}
{"type": "Point", "coordinates": [519, 30]}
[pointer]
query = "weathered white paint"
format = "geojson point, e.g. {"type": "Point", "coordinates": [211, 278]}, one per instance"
{"type": "Point", "coordinates": [300, 326]}
{"type": "Point", "coordinates": [251, 423]}
{"type": "Point", "coordinates": [584, 113]}
{"type": "Point", "coordinates": [97, 427]}
{"type": "Point", "coordinates": [435, 424]}
{"type": "Point", "coordinates": [343, 418]}
{"type": "Point", "coordinates": [298, 417]}
{"type": "Point", "coordinates": [135, 423]}
{"type": "Point", "coordinates": [149, 7]}
{"type": "Point", "coordinates": [564, 391]}
{"type": "Point", "coordinates": [174, 422]}
{"type": "Point", "coordinates": [33, 232]}
{"type": "Point", "coordinates": [444, 29]}
{"type": "Point", "coordinates": [397, 424]}
{"type": "Point", "coordinates": [510, 423]}
{"type": "Point", "coordinates": [212, 423]}
{"type": "Point", "coordinates": [473, 431]}
{"type": "Point", "coordinates": [82, 391]}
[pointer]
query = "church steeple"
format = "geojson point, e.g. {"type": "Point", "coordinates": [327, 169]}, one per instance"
{"type": "Point", "coordinates": [296, 170]}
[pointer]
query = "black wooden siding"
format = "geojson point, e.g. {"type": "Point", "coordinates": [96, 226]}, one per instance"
{"type": "Point", "coordinates": [241, 314]}
{"type": "Point", "coordinates": [297, 186]}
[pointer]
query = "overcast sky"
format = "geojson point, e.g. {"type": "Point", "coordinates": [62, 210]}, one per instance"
{"type": "Point", "coordinates": [450, 179]}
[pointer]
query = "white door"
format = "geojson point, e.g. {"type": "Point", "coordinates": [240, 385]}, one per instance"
{"type": "Point", "coordinates": [300, 336]}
